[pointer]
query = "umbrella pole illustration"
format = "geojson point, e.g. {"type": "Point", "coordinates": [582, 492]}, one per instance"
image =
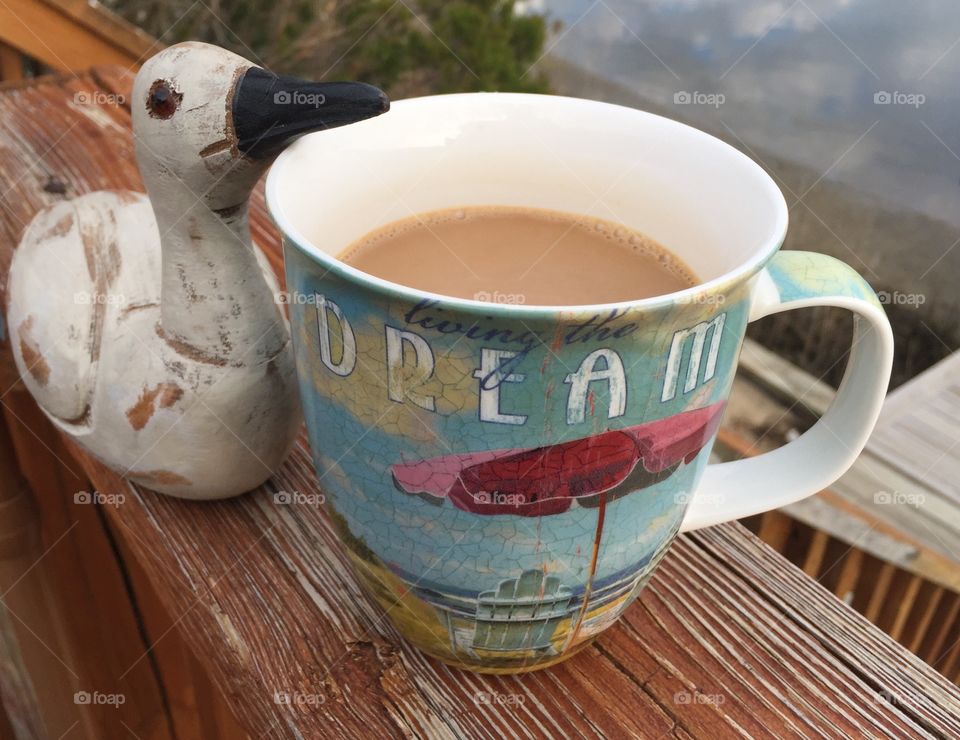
{"type": "Point", "coordinates": [601, 511]}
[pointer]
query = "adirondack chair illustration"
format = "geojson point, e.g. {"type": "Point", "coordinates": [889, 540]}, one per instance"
{"type": "Point", "coordinates": [522, 613]}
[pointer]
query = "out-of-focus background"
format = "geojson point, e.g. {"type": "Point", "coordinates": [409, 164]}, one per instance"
{"type": "Point", "coordinates": [850, 105]}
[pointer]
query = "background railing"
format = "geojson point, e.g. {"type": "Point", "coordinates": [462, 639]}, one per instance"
{"type": "Point", "coordinates": [38, 36]}
{"type": "Point", "coordinates": [882, 557]}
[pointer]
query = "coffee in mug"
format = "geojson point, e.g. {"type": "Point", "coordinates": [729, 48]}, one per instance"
{"type": "Point", "coordinates": [508, 254]}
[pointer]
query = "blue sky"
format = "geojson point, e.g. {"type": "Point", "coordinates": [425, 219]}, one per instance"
{"type": "Point", "coordinates": [799, 79]}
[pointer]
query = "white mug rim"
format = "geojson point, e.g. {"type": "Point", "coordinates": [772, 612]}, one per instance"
{"type": "Point", "coordinates": [742, 272]}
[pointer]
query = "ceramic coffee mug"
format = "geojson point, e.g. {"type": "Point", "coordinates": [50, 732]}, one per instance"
{"type": "Point", "coordinates": [506, 477]}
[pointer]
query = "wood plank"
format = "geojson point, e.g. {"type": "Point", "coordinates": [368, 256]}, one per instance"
{"type": "Point", "coordinates": [950, 665]}
{"type": "Point", "coordinates": [100, 20]}
{"type": "Point", "coordinates": [926, 619]}
{"type": "Point", "coordinates": [877, 504]}
{"type": "Point", "coordinates": [11, 64]}
{"type": "Point", "coordinates": [918, 430]}
{"type": "Point", "coordinates": [920, 408]}
{"type": "Point", "coordinates": [905, 607]}
{"type": "Point", "coordinates": [68, 36]}
{"type": "Point", "coordinates": [207, 699]}
{"type": "Point", "coordinates": [879, 489]}
{"type": "Point", "coordinates": [849, 575]}
{"type": "Point", "coordinates": [880, 589]}
{"type": "Point", "coordinates": [296, 575]}
{"type": "Point", "coordinates": [785, 381]}
{"type": "Point", "coordinates": [6, 726]}
{"type": "Point", "coordinates": [171, 656]}
{"type": "Point", "coordinates": [83, 581]}
{"type": "Point", "coordinates": [938, 642]}
{"type": "Point", "coordinates": [818, 548]}
{"type": "Point", "coordinates": [33, 682]}
{"type": "Point", "coordinates": [878, 658]}
{"type": "Point", "coordinates": [851, 515]}
{"type": "Point", "coordinates": [921, 389]}
{"type": "Point", "coordinates": [775, 528]}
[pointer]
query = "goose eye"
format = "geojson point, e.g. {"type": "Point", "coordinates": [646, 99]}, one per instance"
{"type": "Point", "coordinates": [162, 100]}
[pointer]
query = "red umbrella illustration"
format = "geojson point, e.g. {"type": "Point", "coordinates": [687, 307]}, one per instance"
{"type": "Point", "coordinates": [547, 480]}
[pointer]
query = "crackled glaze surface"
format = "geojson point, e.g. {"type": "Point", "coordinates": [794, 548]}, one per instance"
{"type": "Point", "coordinates": [506, 485]}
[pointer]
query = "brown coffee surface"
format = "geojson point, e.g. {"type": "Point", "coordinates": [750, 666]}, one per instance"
{"type": "Point", "coordinates": [507, 254]}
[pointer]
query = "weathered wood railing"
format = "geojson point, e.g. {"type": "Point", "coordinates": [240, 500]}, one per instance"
{"type": "Point", "coordinates": [886, 543]}
{"type": "Point", "coordinates": [65, 36]}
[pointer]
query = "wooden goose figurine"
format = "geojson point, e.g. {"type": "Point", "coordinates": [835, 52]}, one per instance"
{"type": "Point", "coordinates": [148, 328]}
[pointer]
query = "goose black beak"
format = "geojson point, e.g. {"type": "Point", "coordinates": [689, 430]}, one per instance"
{"type": "Point", "coordinates": [270, 111]}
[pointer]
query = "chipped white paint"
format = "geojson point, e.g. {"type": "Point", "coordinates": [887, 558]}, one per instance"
{"type": "Point", "coordinates": [96, 114]}
{"type": "Point", "coordinates": [148, 330]}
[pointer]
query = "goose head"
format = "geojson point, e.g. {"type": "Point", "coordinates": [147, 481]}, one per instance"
{"type": "Point", "coordinates": [215, 121]}
{"type": "Point", "coordinates": [207, 123]}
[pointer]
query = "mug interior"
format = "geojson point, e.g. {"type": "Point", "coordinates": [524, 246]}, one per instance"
{"type": "Point", "coordinates": [700, 198]}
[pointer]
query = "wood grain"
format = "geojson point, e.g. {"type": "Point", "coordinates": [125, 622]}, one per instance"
{"type": "Point", "coordinates": [11, 64]}
{"type": "Point", "coordinates": [91, 632]}
{"type": "Point", "coordinates": [725, 625]}
{"type": "Point", "coordinates": [69, 35]}
{"type": "Point", "coordinates": [920, 427]}
{"type": "Point", "coordinates": [727, 639]}
{"type": "Point", "coordinates": [897, 504]}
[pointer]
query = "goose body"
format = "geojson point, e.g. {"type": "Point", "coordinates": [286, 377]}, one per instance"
{"type": "Point", "coordinates": [148, 328]}
{"type": "Point", "coordinates": [95, 357]}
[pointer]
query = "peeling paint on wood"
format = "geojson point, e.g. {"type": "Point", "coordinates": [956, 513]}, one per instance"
{"type": "Point", "coordinates": [36, 365]}
{"type": "Point", "coordinates": [61, 227]}
{"type": "Point", "coordinates": [154, 478]}
{"type": "Point", "coordinates": [142, 411]}
{"type": "Point", "coordinates": [188, 351]}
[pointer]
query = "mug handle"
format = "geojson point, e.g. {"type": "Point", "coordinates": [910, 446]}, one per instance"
{"type": "Point", "coordinates": [814, 460]}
